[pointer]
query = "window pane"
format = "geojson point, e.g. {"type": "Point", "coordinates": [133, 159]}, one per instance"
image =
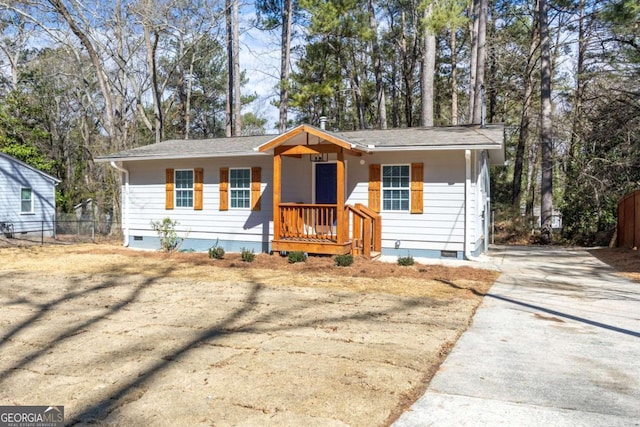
{"type": "Point", "coordinates": [240, 183]}
{"type": "Point", "coordinates": [395, 187]}
{"type": "Point", "coordinates": [184, 189]}
{"type": "Point", "coordinates": [184, 198]}
{"type": "Point", "coordinates": [240, 178]}
{"type": "Point", "coordinates": [184, 179]}
{"type": "Point", "coordinates": [25, 200]}
{"type": "Point", "coordinates": [240, 198]}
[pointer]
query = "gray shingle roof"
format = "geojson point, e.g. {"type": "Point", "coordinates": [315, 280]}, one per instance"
{"type": "Point", "coordinates": [450, 136]}
{"type": "Point", "coordinates": [191, 148]}
{"type": "Point", "coordinates": [490, 137]}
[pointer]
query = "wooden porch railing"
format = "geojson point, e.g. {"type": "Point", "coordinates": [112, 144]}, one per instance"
{"type": "Point", "coordinates": [366, 230]}
{"type": "Point", "coordinates": [308, 221]}
{"type": "Point", "coordinates": [316, 223]}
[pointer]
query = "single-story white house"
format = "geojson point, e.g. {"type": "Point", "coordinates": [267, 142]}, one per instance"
{"type": "Point", "coordinates": [422, 192]}
{"type": "Point", "coordinates": [27, 199]}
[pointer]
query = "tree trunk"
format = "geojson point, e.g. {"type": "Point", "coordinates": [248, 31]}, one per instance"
{"type": "Point", "coordinates": [580, 84]}
{"type": "Point", "coordinates": [546, 185]}
{"type": "Point", "coordinates": [377, 68]}
{"type": "Point", "coordinates": [237, 98]}
{"type": "Point", "coordinates": [285, 58]}
{"type": "Point", "coordinates": [480, 63]}
{"type": "Point", "coordinates": [228, 128]}
{"type": "Point", "coordinates": [407, 76]}
{"type": "Point", "coordinates": [152, 47]}
{"type": "Point", "coordinates": [473, 56]}
{"type": "Point", "coordinates": [187, 106]}
{"type": "Point", "coordinates": [428, 70]}
{"type": "Point", "coordinates": [454, 79]}
{"type": "Point", "coordinates": [525, 117]}
{"type": "Point", "coordinates": [60, 8]}
{"type": "Point", "coordinates": [357, 94]}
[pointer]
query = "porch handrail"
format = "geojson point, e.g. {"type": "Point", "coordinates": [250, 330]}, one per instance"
{"type": "Point", "coordinates": [367, 229]}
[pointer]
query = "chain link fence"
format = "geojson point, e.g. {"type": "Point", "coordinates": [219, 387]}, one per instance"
{"type": "Point", "coordinates": [65, 228]}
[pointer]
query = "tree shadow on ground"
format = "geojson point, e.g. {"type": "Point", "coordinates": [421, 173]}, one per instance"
{"type": "Point", "coordinates": [547, 310]}
{"type": "Point", "coordinates": [242, 319]}
{"type": "Point", "coordinates": [74, 292]}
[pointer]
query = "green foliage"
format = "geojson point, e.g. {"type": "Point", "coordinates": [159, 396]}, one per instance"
{"type": "Point", "coordinates": [252, 124]}
{"type": "Point", "coordinates": [247, 255]}
{"type": "Point", "coordinates": [343, 260]}
{"type": "Point", "coordinates": [28, 154]}
{"type": "Point", "coordinates": [168, 235]}
{"type": "Point", "coordinates": [603, 169]}
{"type": "Point", "coordinates": [405, 261]}
{"type": "Point", "coordinates": [216, 252]}
{"type": "Point", "coordinates": [22, 131]}
{"type": "Point", "coordinates": [624, 16]}
{"type": "Point", "coordinates": [297, 256]}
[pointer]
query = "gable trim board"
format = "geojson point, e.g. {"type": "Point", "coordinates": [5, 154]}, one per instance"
{"type": "Point", "coordinates": [447, 198]}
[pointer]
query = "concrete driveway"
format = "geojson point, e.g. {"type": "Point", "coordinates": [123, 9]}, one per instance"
{"type": "Point", "coordinates": [556, 342]}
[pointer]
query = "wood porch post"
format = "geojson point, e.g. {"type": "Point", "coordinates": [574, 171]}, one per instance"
{"type": "Point", "coordinates": [340, 213]}
{"type": "Point", "coordinates": [277, 187]}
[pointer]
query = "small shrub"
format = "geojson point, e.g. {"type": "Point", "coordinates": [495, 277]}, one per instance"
{"type": "Point", "coordinates": [343, 260]}
{"type": "Point", "coordinates": [405, 260]}
{"type": "Point", "coordinates": [247, 255]}
{"type": "Point", "coordinates": [166, 229]}
{"type": "Point", "coordinates": [216, 252]}
{"type": "Point", "coordinates": [297, 256]}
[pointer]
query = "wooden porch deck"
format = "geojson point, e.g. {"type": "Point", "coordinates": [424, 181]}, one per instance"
{"type": "Point", "coordinates": [315, 229]}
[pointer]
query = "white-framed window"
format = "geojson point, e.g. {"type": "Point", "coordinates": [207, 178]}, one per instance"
{"type": "Point", "coordinates": [184, 188]}
{"type": "Point", "coordinates": [26, 200]}
{"type": "Point", "coordinates": [240, 188]}
{"type": "Point", "coordinates": [396, 186]}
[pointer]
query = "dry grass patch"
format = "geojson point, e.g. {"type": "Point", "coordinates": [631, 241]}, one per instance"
{"type": "Point", "coordinates": [436, 281]}
{"type": "Point", "coordinates": [626, 261]}
{"type": "Point", "coordinates": [123, 337]}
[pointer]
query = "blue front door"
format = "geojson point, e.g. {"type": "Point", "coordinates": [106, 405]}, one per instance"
{"type": "Point", "coordinates": [326, 183]}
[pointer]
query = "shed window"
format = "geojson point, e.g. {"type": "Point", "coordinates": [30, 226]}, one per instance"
{"type": "Point", "coordinates": [26, 200]}
{"type": "Point", "coordinates": [395, 187]}
{"type": "Point", "coordinates": [240, 188]}
{"type": "Point", "coordinates": [184, 188]}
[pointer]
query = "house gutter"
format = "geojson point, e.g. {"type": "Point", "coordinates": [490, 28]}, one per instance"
{"type": "Point", "coordinates": [467, 208]}
{"type": "Point", "coordinates": [125, 210]}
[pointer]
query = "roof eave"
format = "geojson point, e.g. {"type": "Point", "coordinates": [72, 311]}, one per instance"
{"type": "Point", "coordinates": [107, 159]}
{"type": "Point", "coordinates": [378, 148]}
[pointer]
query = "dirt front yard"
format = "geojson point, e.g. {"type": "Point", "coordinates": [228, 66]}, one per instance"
{"type": "Point", "coordinates": [122, 337]}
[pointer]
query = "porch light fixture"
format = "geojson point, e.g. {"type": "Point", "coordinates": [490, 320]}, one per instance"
{"type": "Point", "coordinates": [319, 158]}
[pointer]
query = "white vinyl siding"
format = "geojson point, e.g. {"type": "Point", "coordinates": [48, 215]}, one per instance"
{"type": "Point", "coordinates": [240, 188]}
{"type": "Point", "coordinates": [147, 195]}
{"type": "Point", "coordinates": [184, 188]}
{"type": "Point", "coordinates": [441, 225]}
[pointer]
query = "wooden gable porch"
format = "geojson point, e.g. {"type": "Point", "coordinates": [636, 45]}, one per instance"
{"type": "Point", "coordinates": [320, 228]}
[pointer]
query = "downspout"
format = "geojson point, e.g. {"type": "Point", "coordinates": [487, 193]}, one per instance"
{"type": "Point", "coordinates": [467, 207]}
{"type": "Point", "coordinates": [487, 207]}
{"type": "Point", "coordinates": [125, 210]}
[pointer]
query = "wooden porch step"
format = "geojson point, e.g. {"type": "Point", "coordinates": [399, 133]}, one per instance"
{"type": "Point", "coordinates": [375, 255]}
